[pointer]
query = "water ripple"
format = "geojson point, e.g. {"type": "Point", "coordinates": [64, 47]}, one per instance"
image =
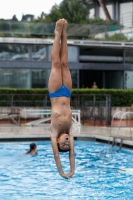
{"type": "Point", "coordinates": [36, 177]}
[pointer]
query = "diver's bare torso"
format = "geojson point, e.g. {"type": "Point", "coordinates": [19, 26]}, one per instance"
{"type": "Point", "coordinates": [61, 116]}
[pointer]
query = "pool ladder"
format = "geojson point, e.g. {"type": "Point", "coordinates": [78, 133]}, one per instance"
{"type": "Point", "coordinates": [118, 137]}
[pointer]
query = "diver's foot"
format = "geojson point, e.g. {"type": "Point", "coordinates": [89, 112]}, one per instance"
{"type": "Point", "coordinates": [59, 27]}
{"type": "Point", "coordinates": [65, 23]}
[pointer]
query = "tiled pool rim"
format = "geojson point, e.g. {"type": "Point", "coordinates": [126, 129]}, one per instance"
{"type": "Point", "coordinates": [42, 133]}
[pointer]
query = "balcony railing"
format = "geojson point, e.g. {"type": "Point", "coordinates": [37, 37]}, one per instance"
{"type": "Point", "coordinates": [11, 28]}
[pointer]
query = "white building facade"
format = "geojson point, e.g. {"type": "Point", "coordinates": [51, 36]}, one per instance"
{"type": "Point", "coordinates": [121, 10]}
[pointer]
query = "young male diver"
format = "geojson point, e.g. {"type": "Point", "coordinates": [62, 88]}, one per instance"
{"type": "Point", "coordinates": [59, 86]}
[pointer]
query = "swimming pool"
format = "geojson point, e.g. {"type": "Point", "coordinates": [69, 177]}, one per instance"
{"type": "Point", "coordinates": [36, 177]}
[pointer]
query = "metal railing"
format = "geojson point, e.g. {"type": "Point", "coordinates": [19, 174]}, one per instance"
{"type": "Point", "coordinates": [97, 108]}
{"type": "Point", "coordinates": [47, 29]}
{"type": "Point", "coordinates": [102, 31]}
{"type": "Point", "coordinates": [93, 107]}
{"type": "Point", "coordinates": [126, 19]}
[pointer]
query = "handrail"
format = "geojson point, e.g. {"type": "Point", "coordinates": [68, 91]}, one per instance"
{"type": "Point", "coordinates": [119, 126]}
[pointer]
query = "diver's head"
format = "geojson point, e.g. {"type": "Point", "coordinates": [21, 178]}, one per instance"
{"type": "Point", "coordinates": [63, 142]}
{"type": "Point", "coordinates": [32, 146]}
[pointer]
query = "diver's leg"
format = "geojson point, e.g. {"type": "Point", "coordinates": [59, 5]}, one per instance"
{"type": "Point", "coordinates": [55, 79]}
{"type": "Point", "coordinates": [66, 76]}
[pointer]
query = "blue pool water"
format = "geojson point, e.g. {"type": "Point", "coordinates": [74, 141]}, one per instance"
{"type": "Point", "coordinates": [36, 177]}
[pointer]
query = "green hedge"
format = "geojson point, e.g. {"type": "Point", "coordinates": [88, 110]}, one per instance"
{"type": "Point", "coordinates": [119, 97]}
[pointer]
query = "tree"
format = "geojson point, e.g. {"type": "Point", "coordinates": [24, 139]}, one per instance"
{"type": "Point", "coordinates": [54, 14]}
{"type": "Point", "coordinates": [14, 18]}
{"type": "Point", "coordinates": [72, 10]}
{"type": "Point", "coordinates": [105, 10]}
{"type": "Point", "coordinates": [43, 15]}
{"type": "Point", "coordinates": [27, 17]}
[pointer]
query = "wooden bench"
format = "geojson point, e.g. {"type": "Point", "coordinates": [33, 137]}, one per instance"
{"type": "Point", "coordinates": [45, 115]}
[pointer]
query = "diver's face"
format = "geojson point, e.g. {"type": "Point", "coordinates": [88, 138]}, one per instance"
{"type": "Point", "coordinates": [64, 141]}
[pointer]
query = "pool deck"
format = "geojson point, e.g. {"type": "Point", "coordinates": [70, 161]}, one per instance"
{"type": "Point", "coordinates": [10, 133]}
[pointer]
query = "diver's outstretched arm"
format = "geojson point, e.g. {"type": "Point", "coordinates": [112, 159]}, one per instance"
{"type": "Point", "coordinates": [71, 155]}
{"type": "Point", "coordinates": [57, 157]}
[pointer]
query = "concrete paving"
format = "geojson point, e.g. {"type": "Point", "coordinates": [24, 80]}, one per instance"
{"type": "Point", "coordinates": [42, 132]}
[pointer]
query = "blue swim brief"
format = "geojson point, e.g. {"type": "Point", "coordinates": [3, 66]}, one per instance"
{"type": "Point", "coordinates": [62, 92]}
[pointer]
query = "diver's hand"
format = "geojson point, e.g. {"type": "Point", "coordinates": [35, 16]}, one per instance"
{"type": "Point", "coordinates": [66, 176]}
{"type": "Point", "coordinates": [70, 174]}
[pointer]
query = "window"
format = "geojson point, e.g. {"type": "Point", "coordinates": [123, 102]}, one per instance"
{"type": "Point", "coordinates": [38, 52]}
{"type": "Point", "coordinates": [129, 56]}
{"type": "Point", "coordinates": [128, 79]}
{"type": "Point", "coordinates": [72, 53]}
{"type": "Point", "coordinates": [14, 52]}
{"type": "Point", "coordinates": [38, 78]}
{"type": "Point", "coordinates": [74, 78]}
{"type": "Point", "coordinates": [15, 78]}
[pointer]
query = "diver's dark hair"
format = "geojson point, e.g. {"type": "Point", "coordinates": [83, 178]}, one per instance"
{"type": "Point", "coordinates": [62, 150]}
